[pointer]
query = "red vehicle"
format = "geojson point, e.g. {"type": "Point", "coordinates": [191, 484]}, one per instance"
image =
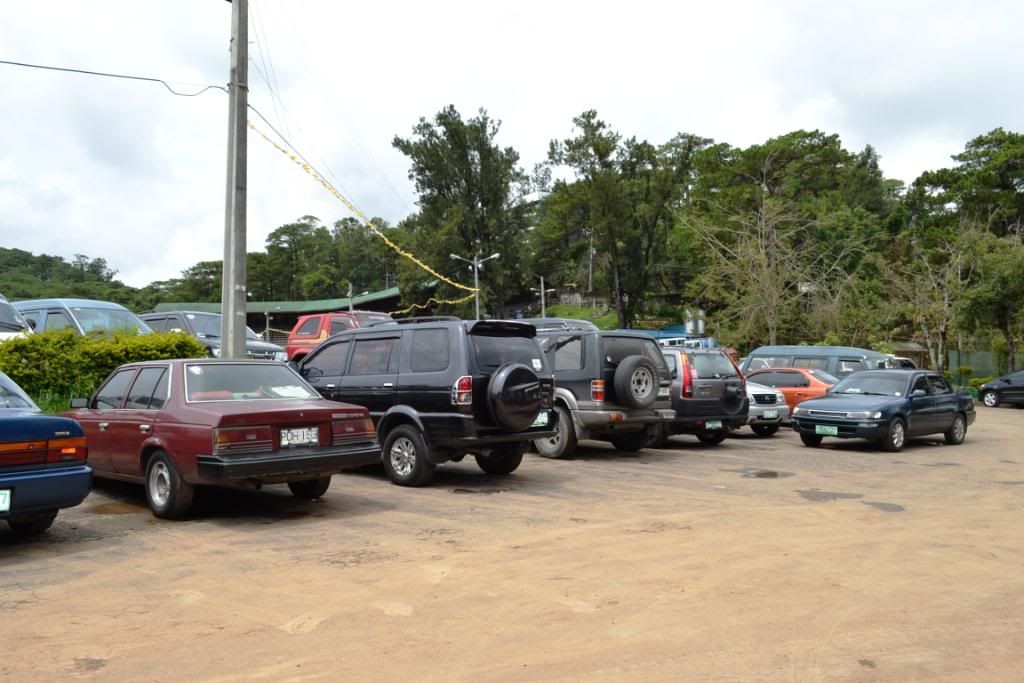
{"type": "Point", "coordinates": [310, 330]}
{"type": "Point", "coordinates": [174, 425]}
{"type": "Point", "coordinates": [797, 384]}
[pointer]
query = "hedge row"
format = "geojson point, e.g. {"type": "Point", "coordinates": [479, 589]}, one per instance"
{"type": "Point", "coordinates": [64, 364]}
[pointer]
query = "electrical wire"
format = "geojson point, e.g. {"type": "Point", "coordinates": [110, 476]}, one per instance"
{"type": "Point", "coordinates": [116, 75]}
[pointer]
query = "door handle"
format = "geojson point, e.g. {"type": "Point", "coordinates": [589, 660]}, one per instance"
{"type": "Point", "coordinates": [145, 429]}
{"type": "Point", "coordinates": [103, 426]}
{"type": "Point", "coordinates": [388, 385]}
{"type": "Point", "coordinates": [328, 386]}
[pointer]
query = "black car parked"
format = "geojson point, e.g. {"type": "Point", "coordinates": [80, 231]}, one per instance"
{"type": "Point", "coordinates": [1008, 389]}
{"type": "Point", "coordinates": [440, 389]}
{"type": "Point", "coordinates": [709, 396]}
{"type": "Point", "coordinates": [610, 385]}
{"type": "Point", "coordinates": [206, 328]}
{"type": "Point", "coordinates": [887, 407]}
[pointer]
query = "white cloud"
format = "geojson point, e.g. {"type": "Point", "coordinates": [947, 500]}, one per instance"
{"type": "Point", "coordinates": [126, 171]}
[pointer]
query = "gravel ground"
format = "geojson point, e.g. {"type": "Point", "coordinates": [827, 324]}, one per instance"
{"type": "Point", "coordinates": [755, 560]}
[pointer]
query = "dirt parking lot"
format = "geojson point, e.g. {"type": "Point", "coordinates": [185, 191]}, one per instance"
{"type": "Point", "coordinates": [756, 560]}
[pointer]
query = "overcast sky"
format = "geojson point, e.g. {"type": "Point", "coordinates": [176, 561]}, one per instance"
{"type": "Point", "coordinates": [129, 172]}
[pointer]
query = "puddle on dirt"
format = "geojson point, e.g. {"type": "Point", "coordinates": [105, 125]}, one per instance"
{"type": "Point", "coordinates": [885, 507]}
{"type": "Point", "coordinates": [480, 491]}
{"type": "Point", "coordinates": [819, 496]}
{"type": "Point", "coordinates": [1010, 462]}
{"type": "Point", "coordinates": [116, 509]}
{"type": "Point", "coordinates": [88, 664]}
{"type": "Point", "coordinates": [866, 663]}
{"type": "Point", "coordinates": [766, 474]}
{"type": "Point", "coordinates": [1011, 483]}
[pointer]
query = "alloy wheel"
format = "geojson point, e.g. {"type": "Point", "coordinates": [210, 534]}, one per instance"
{"type": "Point", "coordinates": [899, 435]}
{"type": "Point", "coordinates": [403, 456]}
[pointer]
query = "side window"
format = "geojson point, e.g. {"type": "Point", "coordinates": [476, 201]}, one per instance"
{"type": "Point", "coordinates": [811, 363]}
{"type": "Point", "coordinates": [142, 390]}
{"type": "Point", "coordinates": [159, 398]}
{"type": "Point", "coordinates": [175, 323]}
{"type": "Point", "coordinates": [430, 350]}
{"type": "Point", "coordinates": [339, 325]}
{"type": "Point", "coordinates": [57, 320]}
{"type": "Point", "coordinates": [921, 383]}
{"type": "Point", "coordinates": [330, 360]}
{"type": "Point", "coordinates": [940, 386]}
{"type": "Point", "coordinates": [769, 379]}
{"type": "Point", "coordinates": [34, 318]}
{"type": "Point", "coordinates": [111, 395]}
{"type": "Point", "coordinates": [673, 367]}
{"type": "Point", "coordinates": [1017, 378]}
{"type": "Point", "coordinates": [371, 356]}
{"type": "Point", "coordinates": [770, 362]}
{"type": "Point", "coordinates": [156, 324]}
{"type": "Point", "coordinates": [782, 379]}
{"type": "Point", "coordinates": [310, 327]}
{"type": "Point", "coordinates": [848, 365]}
{"type": "Point", "coordinates": [569, 353]}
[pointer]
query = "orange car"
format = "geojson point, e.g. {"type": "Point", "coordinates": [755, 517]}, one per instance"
{"type": "Point", "coordinates": [797, 384]}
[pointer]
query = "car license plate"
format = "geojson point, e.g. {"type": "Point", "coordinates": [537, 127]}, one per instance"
{"type": "Point", "coordinates": [542, 419]}
{"type": "Point", "coordinates": [303, 436]}
{"type": "Point", "coordinates": [770, 414]}
{"type": "Point", "coordinates": [826, 430]}
{"type": "Point", "coordinates": [713, 425]}
{"type": "Point", "coordinates": [663, 392]}
{"type": "Point", "coordinates": [5, 500]}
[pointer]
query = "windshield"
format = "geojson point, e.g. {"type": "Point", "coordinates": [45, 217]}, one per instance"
{"type": "Point", "coordinates": [367, 319]}
{"type": "Point", "coordinates": [208, 325]}
{"type": "Point", "coordinates": [11, 396]}
{"type": "Point", "coordinates": [872, 385]}
{"type": "Point", "coordinates": [243, 382]}
{"type": "Point", "coordinates": [10, 319]}
{"type": "Point", "coordinates": [493, 352]}
{"type": "Point", "coordinates": [712, 366]}
{"type": "Point", "coordinates": [107, 320]}
{"type": "Point", "coordinates": [824, 376]}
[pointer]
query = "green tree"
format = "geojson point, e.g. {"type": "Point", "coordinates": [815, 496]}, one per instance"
{"type": "Point", "coordinates": [995, 297]}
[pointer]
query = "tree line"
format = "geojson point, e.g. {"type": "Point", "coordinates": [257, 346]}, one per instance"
{"type": "Point", "coordinates": [796, 239]}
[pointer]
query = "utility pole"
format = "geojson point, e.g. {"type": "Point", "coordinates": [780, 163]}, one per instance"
{"type": "Point", "coordinates": [543, 294]}
{"type": "Point", "coordinates": [350, 306]}
{"type": "Point", "coordinates": [232, 323]}
{"type": "Point", "coordinates": [475, 263]}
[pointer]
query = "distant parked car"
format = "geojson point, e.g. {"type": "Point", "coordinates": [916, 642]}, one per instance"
{"type": "Point", "coordinates": [886, 407]}
{"type": "Point", "coordinates": [838, 361]}
{"type": "Point", "coordinates": [708, 393]}
{"type": "Point", "coordinates": [768, 409]}
{"type": "Point", "coordinates": [1007, 389]}
{"type": "Point", "coordinates": [174, 425]}
{"type": "Point", "coordinates": [84, 316]}
{"type": "Point", "coordinates": [206, 328]}
{"type": "Point", "coordinates": [440, 389]}
{"type": "Point", "coordinates": [12, 323]}
{"type": "Point", "coordinates": [796, 384]}
{"type": "Point", "coordinates": [310, 330]}
{"type": "Point", "coordinates": [42, 462]}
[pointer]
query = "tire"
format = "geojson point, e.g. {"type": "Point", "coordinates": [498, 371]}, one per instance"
{"type": "Point", "coordinates": [765, 430]}
{"type": "Point", "coordinates": [503, 460]}
{"type": "Point", "coordinates": [563, 444]}
{"type": "Point", "coordinates": [810, 440]}
{"type": "Point", "coordinates": [32, 525]}
{"type": "Point", "coordinates": [658, 437]}
{"type": "Point", "coordinates": [169, 496]}
{"type": "Point", "coordinates": [636, 382]}
{"type": "Point", "coordinates": [712, 438]}
{"type": "Point", "coordinates": [405, 457]}
{"type": "Point", "coordinates": [310, 489]}
{"type": "Point", "coordinates": [513, 397]}
{"type": "Point", "coordinates": [990, 399]}
{"type": "Point", "coordinates": [894, 441]}
{"type": "Point", "coordinates": [630, 442]}
{"type": "Point", "coordinates": [955, 434]}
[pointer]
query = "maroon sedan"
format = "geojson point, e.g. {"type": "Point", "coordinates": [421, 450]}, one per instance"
{"type": "Point", "coordinates": [176, 424]}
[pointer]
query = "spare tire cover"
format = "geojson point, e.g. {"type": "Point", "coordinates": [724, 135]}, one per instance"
{"type": "Point", "coordinates": [636, 382]}
{"type": "Point", "coordinates": [732, 399]}
{"type": "Point", "coordinates": [513, 397]}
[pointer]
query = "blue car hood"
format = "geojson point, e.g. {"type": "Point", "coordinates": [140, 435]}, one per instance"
{"type": "Point", "coordinates": [849, 402]}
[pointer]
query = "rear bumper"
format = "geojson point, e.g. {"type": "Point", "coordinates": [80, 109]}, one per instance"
{"type": "Point", "coordinates": [286, 465]}
{"type": "Point", "coordinates": [42, 490]}
{"type": "Point", "coordinates": [603, 421]}
{"type": "Point", "coordinates": [848, 429]}
{"type": "Point", "coordinates": [695, 424]}
{"type": "Point", "coordinates": [468, 437]}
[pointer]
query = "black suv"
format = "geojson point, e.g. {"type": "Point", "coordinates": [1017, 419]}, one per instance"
{"type": "Point", "coordinates": [206, 328]}
{"type": "Point", "coordinates": [441, 388]}
{"type": "Point", "coordinates": [709, 396]}
{"type": "Point", "coordinates": [610, 385]}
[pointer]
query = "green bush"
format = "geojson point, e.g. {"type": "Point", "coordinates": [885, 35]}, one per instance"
{"type": "Point", "coordinates": [977, 382]}
{"type": "Point", "coordinates": [55, 366]}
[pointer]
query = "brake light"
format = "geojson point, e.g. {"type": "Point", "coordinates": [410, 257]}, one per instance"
{"type": "Point", "coordinates": [688, 376]}
{"type": "Point", "coordinates": [462, 391]}
{"type": "Point", "coordinates": [22, 453]}
{"type": "Point", "coordinates": [359, 429]}
{"type": "Point", "coordinates": [241, 438]}
{"type": "Point", "coordinates": [597, 390]}
{"type": "Point", "coordinates": [66, 450]}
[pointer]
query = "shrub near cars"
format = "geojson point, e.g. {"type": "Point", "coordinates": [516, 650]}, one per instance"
{"type": "Point", "coordinates": [441, 389]}
{"type": "Point", "coordinates": [887, 407]}
{"type": "Point", "coordinates": [709, 396]}
{"type": "Point", "coordinates": [42, 462]}
{"type": "Point", "coordinates": [173, 425]}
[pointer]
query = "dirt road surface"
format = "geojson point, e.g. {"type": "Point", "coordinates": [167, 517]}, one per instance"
{"type": "Point", "coordinates": [755, 560]}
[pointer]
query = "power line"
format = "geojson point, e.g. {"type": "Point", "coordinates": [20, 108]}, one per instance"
{"type": "Point", "coordinates": [115, 75]}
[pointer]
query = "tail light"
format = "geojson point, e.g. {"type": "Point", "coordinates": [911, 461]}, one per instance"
{"type": "Point", "coordinates": [234, 439]}
{"type": "Point", "coordinates": [462, 391]}
{"type": "Point", "coordinates": [597, 390]}
{"type": "Point", "coordinates": [358, 429]}
{"type": "Point", "coordinates": [66, 450]}
{"type": "Point", "coordinates": [52, 452]}
{"type": "Point", "coordinates": [689, 373]}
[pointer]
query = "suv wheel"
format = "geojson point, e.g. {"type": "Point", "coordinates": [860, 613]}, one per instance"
{"type": "Point", "coordinates": [658, 437]}
{"type": "Point", "coordinates": [712, 438]}
{"type": "Point", "coordinates": [405, 457]}
{"type": "Point", "coordinates": [502, 460]}
{"type": "Point", "coordinates": [563, 443]}
{"type": "Point", "coordinates": [630, 441]}
{"type": "Point", "coordinates": [765, 430]}
{"type": "Point", "coordinates": [636, 382]}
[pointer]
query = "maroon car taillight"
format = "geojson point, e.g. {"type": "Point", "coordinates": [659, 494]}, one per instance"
{"type": "Point", "coordinates": [597, 390]}
{"type": "Point", "coordinates": [66, 450]}
{"type": "Point", "coordinates": [462, 391]}
{"type": "Point", "coordinates": [233, 439]}
{"type": "Point", "coordinates": [352, 429]}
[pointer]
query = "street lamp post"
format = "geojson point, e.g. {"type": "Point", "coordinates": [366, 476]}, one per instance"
{"type": "Point", "coordinates": [543, 292]}
{"type": "Point", "coordinates": [475, 263]}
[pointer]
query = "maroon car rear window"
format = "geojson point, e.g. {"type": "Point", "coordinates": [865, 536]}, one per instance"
{"type": "Point", "coordinates": [243, 382]}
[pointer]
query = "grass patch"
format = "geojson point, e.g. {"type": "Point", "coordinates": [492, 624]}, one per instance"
{"type": "Point", "coordinates": [603, 318]}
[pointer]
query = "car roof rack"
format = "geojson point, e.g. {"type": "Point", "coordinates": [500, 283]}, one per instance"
{"type": "Point", "coordinates": [422, 319]}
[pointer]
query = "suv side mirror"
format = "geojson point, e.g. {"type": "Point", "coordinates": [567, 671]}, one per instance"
{"type": "Point", "coordinates": [79, 402]}
{"type": "Point", "coordinates": [294, 366]}
{"type": "Point", "coordinates": [918, 393]}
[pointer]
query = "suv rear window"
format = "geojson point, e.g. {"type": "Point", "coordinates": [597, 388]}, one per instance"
{"type": "Point", "coordinates": [493, 352]}
{"type": "Point", "coordinates": [712, 365]}
{"type": "Point", "coordinates": [618, 348]}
